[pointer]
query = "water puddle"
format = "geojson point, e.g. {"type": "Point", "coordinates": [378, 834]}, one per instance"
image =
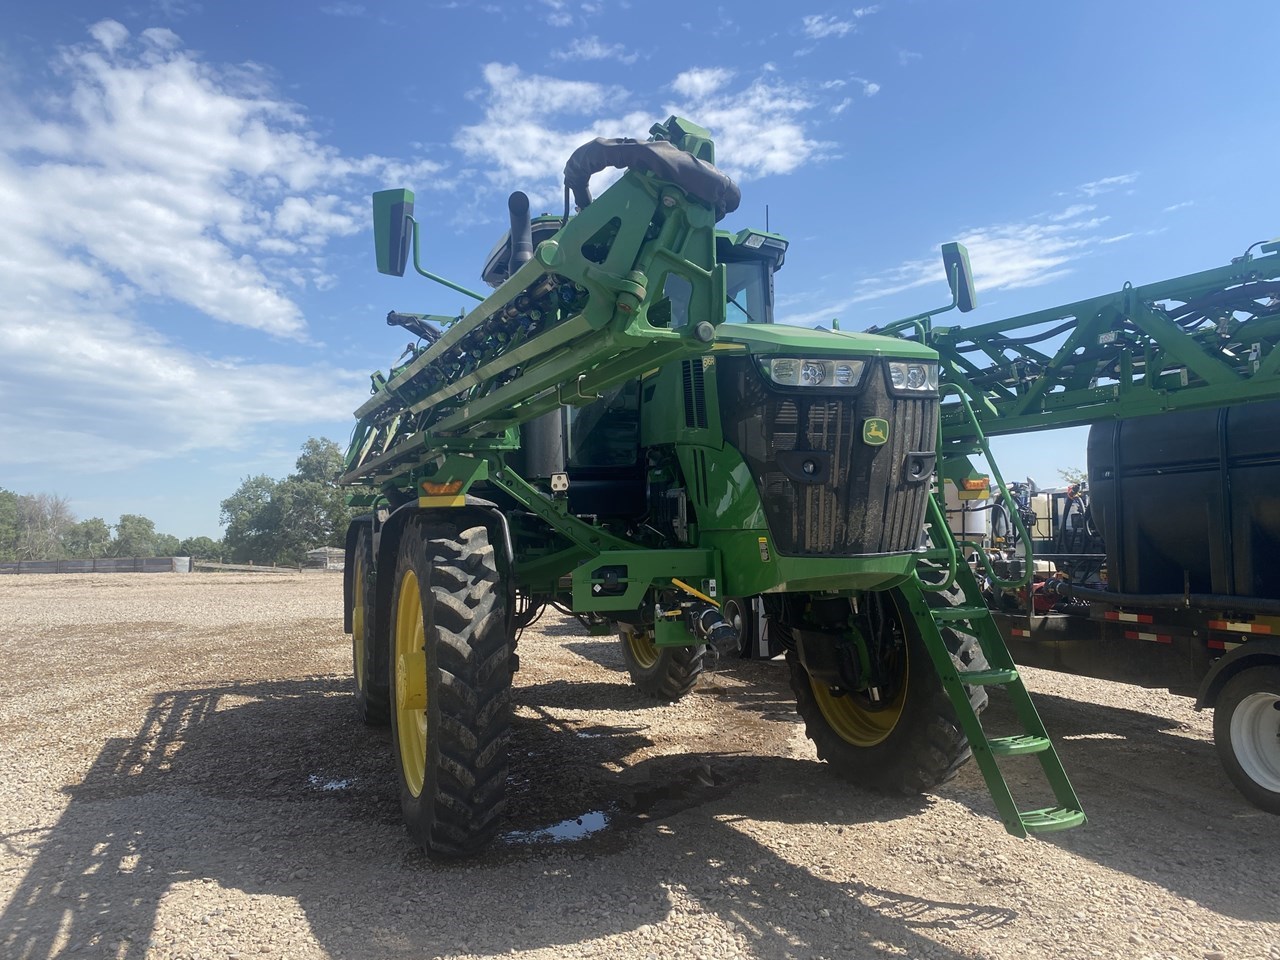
{"type": "Point", "coordinates": [566, 830]}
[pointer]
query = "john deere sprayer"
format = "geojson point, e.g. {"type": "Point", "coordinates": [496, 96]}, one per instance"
{"type": "Point", "coordinates": [621, 431]}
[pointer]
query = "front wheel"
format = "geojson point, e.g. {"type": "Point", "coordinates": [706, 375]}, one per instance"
{"type": "Point", "coordinates": [1246, 733]}
{"type": "Point", "coordinates": [450, 677]}
{"type": "Point", "coordinates": [664, 673]}
{"type": "Point", "coordinates": [908, 742]}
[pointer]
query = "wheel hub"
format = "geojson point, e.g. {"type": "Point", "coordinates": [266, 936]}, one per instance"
{"type": "Point", "coordinates": [1255, 737]}
{"type": "Point", "coordinates": [411, 687]}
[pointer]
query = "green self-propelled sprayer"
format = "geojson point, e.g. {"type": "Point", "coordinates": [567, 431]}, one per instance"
{"type": "Point", "coordinates": [620, 430]}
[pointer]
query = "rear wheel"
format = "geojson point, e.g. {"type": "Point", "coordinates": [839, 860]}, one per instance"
{"type": "Point", "coordinates": [450, 676]}
{"type": "Point", "coordinates": [1246, 732]}
{"type": "Point", "coordinates": [911, 740]}
{"type": "Point", "coordinates": [664, 673]}
{"type": "Point", "coordinates": [368, 666]}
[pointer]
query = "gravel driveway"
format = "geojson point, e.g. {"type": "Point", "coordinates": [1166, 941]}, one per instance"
{"type": "Point", "coordinates": [183, 776]}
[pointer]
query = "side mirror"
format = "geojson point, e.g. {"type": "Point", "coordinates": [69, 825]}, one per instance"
{"type": "Point", "coordinates": [955, 259]}
{"type": "Point", "coordinates": [392, 230]}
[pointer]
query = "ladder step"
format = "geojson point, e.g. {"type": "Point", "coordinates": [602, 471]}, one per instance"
{"type": "Point", "coordinates": [942, 614]}
{"type": "Point", "coordinates": [988, 678]}
{"type": "Point", "coordinates": [938, 553]}
{"type": "Point", "coordinates": [1051, 818]}
{"type": "Point", "coordinates": [1016, 746]}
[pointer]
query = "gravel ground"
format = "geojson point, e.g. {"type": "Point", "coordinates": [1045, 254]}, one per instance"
{"type": "Point", "coordinates": [184, 777]}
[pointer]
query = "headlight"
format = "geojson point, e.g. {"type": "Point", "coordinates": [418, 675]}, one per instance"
{"type": "Point", "coordinates": [911, 376]}
{"type": "Point", "coordinates": [799, 372]}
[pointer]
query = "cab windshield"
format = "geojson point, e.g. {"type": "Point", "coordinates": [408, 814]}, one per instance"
{"type": "Point", "coordinates": [750, 292]}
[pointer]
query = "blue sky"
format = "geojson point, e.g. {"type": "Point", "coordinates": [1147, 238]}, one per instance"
{"type": "Point", "coordinates": [185, 260]}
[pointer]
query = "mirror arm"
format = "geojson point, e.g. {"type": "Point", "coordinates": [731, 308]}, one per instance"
{"type": "Point", "coordinates": [431, 276]}
{"type": "Point", "coordinates": [921, 320]}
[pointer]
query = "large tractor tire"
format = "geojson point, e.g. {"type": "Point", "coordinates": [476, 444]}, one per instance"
{"type": "Point", "coordinates": [664, 673]}
{"type": "Point", "coordinates": [907, 746]}
{"type": "Point", "coordinates": [368, 646]}
{"type": "Point", "coordinates": [1246, 732]}
{"type": "Point", "coordinates": [450, 675]}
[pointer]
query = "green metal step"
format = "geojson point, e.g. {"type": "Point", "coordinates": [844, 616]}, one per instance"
{"type": "Point", "coordinates": [1049, 819]}
{"type": "Point", "coordinates": [938, 553]}
{"type": "Point", "coordinates": [942, 614]}
{"type": "Point", "coordinates": [988, 678]}
{"type": "Point", "coordinates": [1017, 746]}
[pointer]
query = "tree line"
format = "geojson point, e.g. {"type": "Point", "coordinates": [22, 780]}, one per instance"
{"type": "Point", "coordinates": [266, 521]}
{"type": "Point", "coordinates": [42, 526]}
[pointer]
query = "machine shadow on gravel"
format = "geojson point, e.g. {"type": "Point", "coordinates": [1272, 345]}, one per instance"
{"type": "Point", "coordinates": [1126, 764]}
{"type": "Point", "coordinates": [273, 788]}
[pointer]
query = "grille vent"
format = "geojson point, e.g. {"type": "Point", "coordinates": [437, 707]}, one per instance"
{"type": "Point", "coordinates": [695, 395]}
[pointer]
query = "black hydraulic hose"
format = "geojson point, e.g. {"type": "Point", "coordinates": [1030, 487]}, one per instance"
{"type": "Point", "coordinates": [1003, 341]}
{"type": "Point", "coordinates": [1171, 601]}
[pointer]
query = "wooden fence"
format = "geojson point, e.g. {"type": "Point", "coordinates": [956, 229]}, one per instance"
{"type": "Point", "coordinates": [101, 565]}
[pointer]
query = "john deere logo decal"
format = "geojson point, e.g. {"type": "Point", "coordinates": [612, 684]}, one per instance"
{"type": "Point", "coordinates": [875, 431]}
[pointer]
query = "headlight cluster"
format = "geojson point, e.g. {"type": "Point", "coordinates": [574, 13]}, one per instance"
{"type": "Point", "coordinates": [799, 372]}
{"type": "Point", "coordinates": [913, 376]}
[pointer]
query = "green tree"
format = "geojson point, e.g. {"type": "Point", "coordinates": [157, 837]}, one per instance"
{"type": "Point", "coordinates": [166, 545]}
{"type": "Point", "coordinates": [248, 530]}
{"type": "Point", "coordinates": [43, 520]}
{"type": "Point", "coordinates": [135, 537]}
{"type": "Point", "coordinates": [1073, 475]}
{"type": "Point", "coordinates": [87, 539]}
{"type": "Point", "coordinates": [320, 462]}
{"type": "Point", "coordinates": [8, 525]}
{"type": "Point", "coordinates": [203, 548]}
{"type": "Point", "coordinates": [278, 521]}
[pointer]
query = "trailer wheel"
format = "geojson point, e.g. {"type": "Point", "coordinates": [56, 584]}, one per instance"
{"type": "Point", "coordinates": [1246, 733]}
{"type": "Point", "coordinates": [664, 673]}
{"type": "Point", "coordinates": [908, 746]}
{"type": "Point", "coordinates": [450, 676]}
{"type": "Point", "coordinates": [373, 702]}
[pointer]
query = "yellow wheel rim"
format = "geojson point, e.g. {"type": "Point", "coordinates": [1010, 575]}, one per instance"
{"type": "Point", "coordinates": [643, 650]}
{"type": "Point", "coordinates": [358, 639]}
{"type": "Point", "coordinates": [851, 721]}
{"type": "Point", "coordinates": [411, 684]}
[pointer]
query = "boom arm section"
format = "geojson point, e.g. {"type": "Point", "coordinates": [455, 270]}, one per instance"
{"type": "Point", "coordinates": [1201, 340]}
{"type": "Point", "coordinates": [627, 285]}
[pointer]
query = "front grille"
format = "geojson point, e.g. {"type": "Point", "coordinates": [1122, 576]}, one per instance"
{"type": "Point", "coordinates": [864, 500]}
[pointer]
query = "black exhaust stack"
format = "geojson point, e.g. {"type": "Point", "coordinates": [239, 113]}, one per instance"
{"type": "Point", "coordinates": [541, 440]}
{"type": "Point", "coordinates": [521, 232]}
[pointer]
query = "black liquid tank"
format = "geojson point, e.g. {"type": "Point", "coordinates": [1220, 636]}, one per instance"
{"type": "Point", "coordinates": [1190, 502]}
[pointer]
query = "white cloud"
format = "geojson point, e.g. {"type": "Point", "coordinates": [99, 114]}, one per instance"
{"type": "Point", "coordinates": [819, 27]}
{"type": "Point", "coordinates": [125, 395]}
{"type": "Point", "coordinates": [1179, 206]}
{"type": "Point", "coordinates": [558, 14]}
{"type": "Point", "coordinates": [759, 130]}
{"type": "Point", "coordinates": [1106, 184]}
{"type": "Point", "coordinates": [1073, 211]}
{"type": "Point", "coordinates": [701, 82]}
{"type": "Point", "coordinates": [531, 124]}
{"type": "Point", "coordinates": [1003, 257]}
{"type": "Point", "coordinates": [593, 48]}
{"type": "Point", "coordinates": [869, 89]}
{"type": "Point", "coordinates": [167, 188]}
{"type": "Point", "coordinates": [908, 57]}
{"type": "Point", "coordinates": [842, 106]}
{"type": "Point", "coordinates": [164, 171]}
